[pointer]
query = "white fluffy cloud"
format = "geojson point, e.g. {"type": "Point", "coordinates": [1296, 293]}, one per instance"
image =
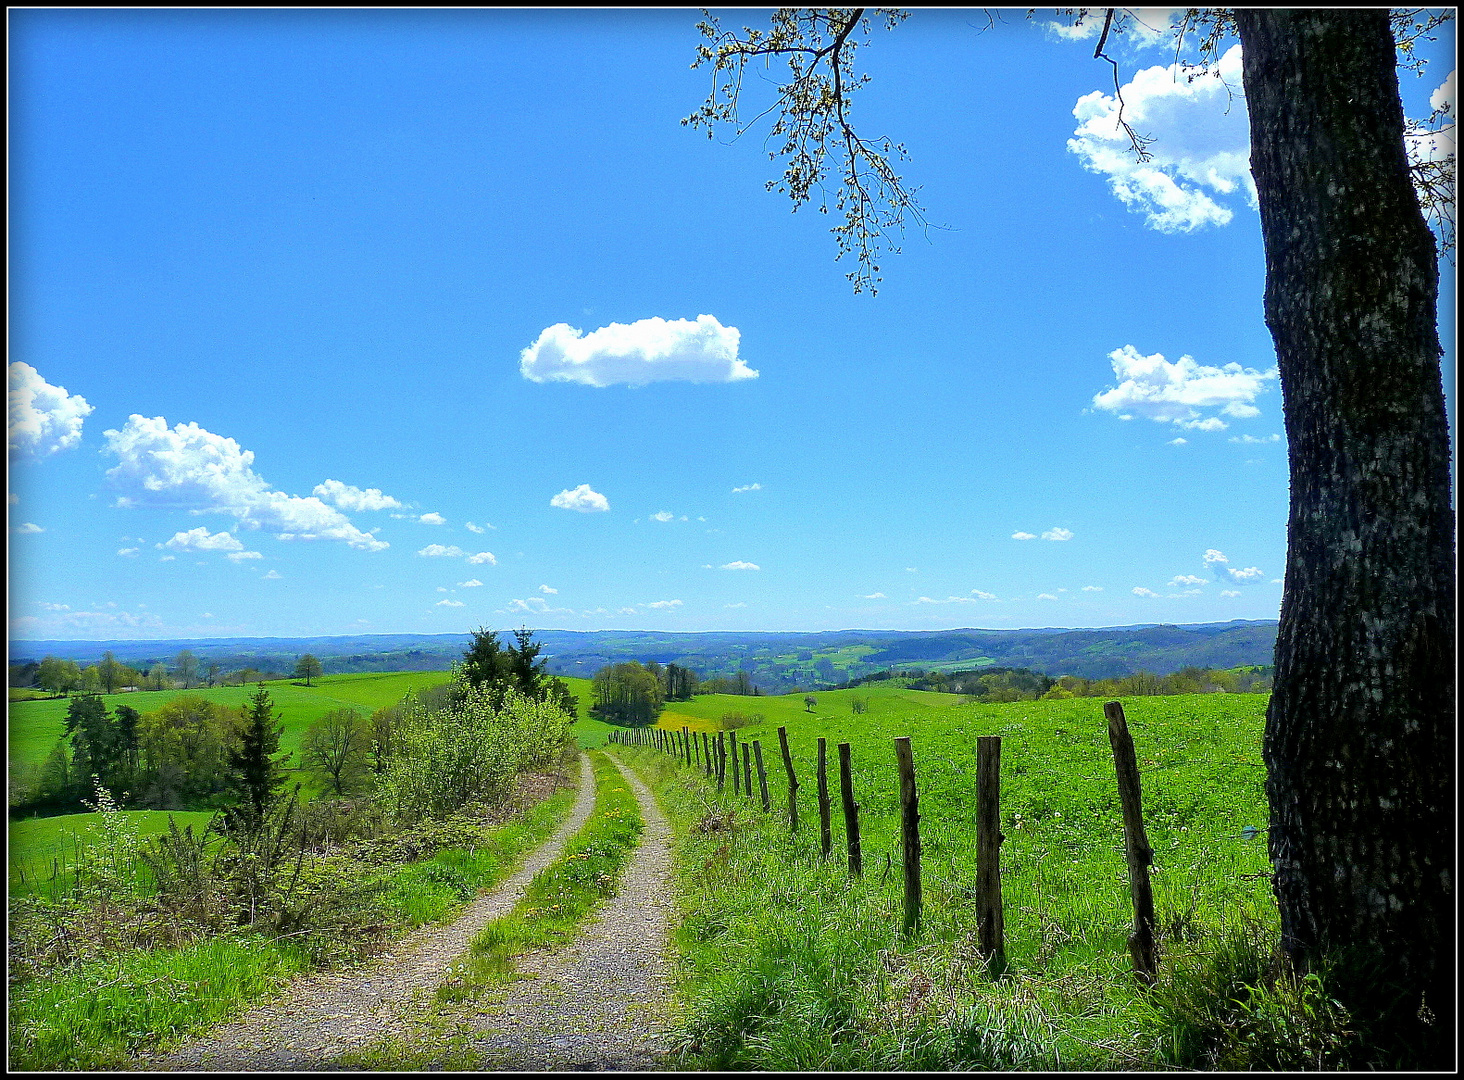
{"type": "Point", "coordinates": [432, 519]}
{"type": "Point", "coordinates": [1250, 573]}
{"type": "Point", "coordinates": [583, 498]}
{"type": "Point", "coordinates": [1139, 590]}
{"type": "Point", "coordinates": [483, 557]}
{"type": "Point", "coordinates": [548, 590]}
{"type": "Point", "coordinates": [738, 564]}
{"type": "Point", "coordinates": [746, 487]}
{"type": "Point", "coordinates": [663, 515]}
{"type": "Point", "coordinates": [1152, 387]}
{"type": "Point", "coordinates": [42, 418]}
{"type": "Point", "coordinates": [199, 539]}
{"type": "Point", "coordinates": [1046, 596]}
{"type": "Point", "coordinates": [1188, 579]}
{"type": "Point", "coordinates": [471, 583]}
{"type": "Point", "coordinates": [442, 551]}
{"type": "Point", "coordinates": [651, 350]}
{"type": "Point", "coordinates": [1201, 147]}
{"type": "Point", "coordinates": [979, 595]}
{"type": "Point", "coordinates": [1056, 533]}
{"type": "Point", "coordinates": [449, 603]}
{"type": "Point", "coordinates": [1214, 556]}
{"type": "Point", "coordinates": [189, 467]}
{"type": "Point", "coordinates": [1024, 536]}
{"type": "Point", "coordinates": [346, 497]}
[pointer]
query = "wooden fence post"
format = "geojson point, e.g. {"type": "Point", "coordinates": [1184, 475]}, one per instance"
{"type": "Point", "coordinates": [909, 831]}
{"type": "Point", "coordinates": [706, 741]}
{"type": "Point", "coordinates": [721, 745]}
{"type": "Point", "coordinates": [762, 775]}
{"type": "Point", "coordinates": [1136, 843]}
{"type": "Point", "coordinates": [792, 780]}
{"type": "Point", "coordinates": [747, 770]}
{"type": "Point", "coordinates": [686, 744]}
{"type": "Point", "coordinates": [825, 836]}
{"type": "Point", "coordinates": [736, 765]}
{"type": "Point", "coordinates": [851, 811]}
{"type": "Point", "coordinates": [989, 918]}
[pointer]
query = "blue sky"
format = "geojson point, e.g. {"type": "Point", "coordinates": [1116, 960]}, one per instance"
{"type": "Point", "coordinates": [329, 322]}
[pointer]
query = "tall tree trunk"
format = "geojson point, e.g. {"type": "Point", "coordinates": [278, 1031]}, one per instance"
{"type": "Point", "coordinates": [1359, 742]}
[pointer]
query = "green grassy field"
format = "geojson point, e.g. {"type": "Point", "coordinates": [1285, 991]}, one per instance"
{"type": "Point", "coordinates": [704, 712]}
{"type": "Point", "coordinates": [790, 964]}
{"type": "Point", "coordinates": [43, 849]}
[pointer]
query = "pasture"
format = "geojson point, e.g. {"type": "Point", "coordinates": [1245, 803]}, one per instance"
{"type": "Point", "coordinates": [43, 851]}
{"type": "Point", "coordinates": [784, 950]}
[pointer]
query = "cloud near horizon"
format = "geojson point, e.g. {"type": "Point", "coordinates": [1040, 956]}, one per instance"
{"type": "Point", "coordinates": [41, 419]}
{"type": "Point", "coordinates": [191, 468]}
{"type": "Point", "coordinates": [634, 354]}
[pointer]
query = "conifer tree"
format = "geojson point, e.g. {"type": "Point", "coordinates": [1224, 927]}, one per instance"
{"type": "Point", "coordinates": [255, 765]}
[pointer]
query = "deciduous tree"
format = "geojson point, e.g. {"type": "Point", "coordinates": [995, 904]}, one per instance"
{"type": "Point", "coordinates": [307, 668]}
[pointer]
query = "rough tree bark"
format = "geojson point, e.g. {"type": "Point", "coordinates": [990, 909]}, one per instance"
{"type": "Point", "coordinates": [1359, 741]}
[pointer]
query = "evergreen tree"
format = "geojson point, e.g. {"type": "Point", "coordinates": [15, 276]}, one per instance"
{"type": "Point", "coordinates": [255, 765]}
{"type": "Point", "coordinates": [94, 742]}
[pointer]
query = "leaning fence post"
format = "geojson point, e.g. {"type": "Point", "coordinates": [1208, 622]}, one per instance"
{"type": "Point", "coordinates": [762, 775]}
{"type": "Point", "coordinates": [736, 766]}
{"type": "Point", "coordinates": [851, 811]}
{"type": "Point", "coordinates": [909, 831]}
{"type": "Point", "coordinates": [792, 780]}
{"type": "Point", "coordinates": [825, 837]}
{"type": "Point", "coordinates": [989, 917]}
{"type": "Point", "coordinates": [747, 770]}
{"type": "Point", "coordinates": [1136, 843]}
{"type": "Point", "coordinates": [720, 744]}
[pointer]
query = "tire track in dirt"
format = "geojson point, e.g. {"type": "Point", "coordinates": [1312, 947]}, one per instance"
{"type": "Point", "coordinates": [321, 1016]}
{"type": "Point", "coordinates": [604, 1001]}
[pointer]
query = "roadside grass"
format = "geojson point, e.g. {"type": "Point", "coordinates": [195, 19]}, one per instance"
{"type": "Point", "coordinates": [97, 1014]}
{"type": "Point", "coordinates": [562, 895]}
{"type": "Point", "coordinates": [789, 963]}
{"type": "Point", "coordinates": [44, 851]}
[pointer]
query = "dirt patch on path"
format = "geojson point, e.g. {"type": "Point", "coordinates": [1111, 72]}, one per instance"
{"type": "Point", "coordinates": [322, 1016]}
{"type": "Point", "coordinates": [604, 1001]}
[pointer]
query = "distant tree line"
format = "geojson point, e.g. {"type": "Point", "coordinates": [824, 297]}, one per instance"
{"type": "Point", "coordinates": [997, 684]}
{"type": "Point", "coordinates": [62, 677]}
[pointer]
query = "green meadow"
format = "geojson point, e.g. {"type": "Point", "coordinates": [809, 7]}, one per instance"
{"type": "Point", "coordinates": [791, 964]}
{"type": "Point", "coordinates": [44, 851]}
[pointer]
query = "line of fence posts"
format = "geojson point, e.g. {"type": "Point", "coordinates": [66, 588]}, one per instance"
{"type": "Point", "coordinates": [713, 754]}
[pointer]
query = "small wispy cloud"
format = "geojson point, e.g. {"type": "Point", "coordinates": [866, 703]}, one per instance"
{"type": "Point", "coordinates": [442, 551]}
{"type": "Point", "coordinates": [1092, 588]}
{"type": "Point", "coordinates": [30, 527]}
{"type": "Point", "coordinates": [1250, 573]}
{"type": "Point", "coordinates": [1046, 596]}
{"type": "Point", "coordinates": [471, 583]}
{"type": "Point", "coordinates": [200, 539]}
{"type": "Point", "coordinates": [433, 518]}
{"type": "Point", "coordinates": [273, 575]}
{"type": "Point", "coordinates": [1179, 441]}
{"type": "Point", "coordinates": [1188, 579]}
{"type": "Point", "coordinates": [663, 515]}
{"type": "Point", "coordinates": [1139, 590]}
{"type": "Point", "coordinates": [1024, 536]}
{"type": "Point", "coordinates": [1253, 439]}
{"type": "Point", "coordinates": [547, 590]}
{"type": "Point", "coordinates": [241, 556]}
{"type": "Point", "coordinates": [746, 487]}
{"type": "Point", "coordinates": [663, 605]}
{"type": "Point", "coordinates": [874, 596]}
{"type": "Point", "coordinates": [738, 564]}
{"type": "Point", "coordinates": [979, 595]}
{"type": "Point", "coordinates": [449, 603]}
{"type": "Point", "coordinates": [736, 605]}
{"type": "Point", "coordinates": [1213, 556]}
{"type": "Point", "coordinates": [1229, 592]}
{"type": "Point", "coordinates": [1057, 534]}
{"type": "Point", "coordinates": [478, 528]}
{"type": "Point", "coordinates": [127, 552]}
{"type": "Point", "coordinates": [483, 557]}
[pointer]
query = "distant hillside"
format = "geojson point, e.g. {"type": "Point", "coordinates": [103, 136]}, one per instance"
{"type": "Point", "coordinates": [776, 662]}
